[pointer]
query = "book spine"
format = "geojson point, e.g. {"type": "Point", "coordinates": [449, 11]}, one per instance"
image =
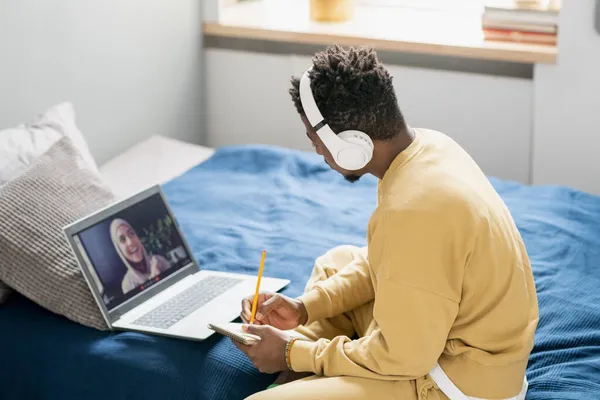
{"type": "Point", "coordinates": [519, 37]}
{"type": "Point", "coordinates": [521, 17]}
{"type": "Point", "coordinates": [515, 26]}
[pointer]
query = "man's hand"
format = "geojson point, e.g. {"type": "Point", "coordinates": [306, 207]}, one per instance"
{"type": "Point", "coordinates": [268, 355]}
{"type": "Point", "coordinates": [276, 310]}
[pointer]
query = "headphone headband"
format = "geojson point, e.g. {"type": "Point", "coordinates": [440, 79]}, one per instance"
{"type": "Point", "coordinates": [314, 116]}
{"type": "Point", "coordinates": [309, 104]}
{"type": "Point", "coordinates": [351, 150]}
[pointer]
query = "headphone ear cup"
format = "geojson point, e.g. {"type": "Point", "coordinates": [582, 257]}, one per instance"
{"type": "Point", "coordinates": [356, 151]}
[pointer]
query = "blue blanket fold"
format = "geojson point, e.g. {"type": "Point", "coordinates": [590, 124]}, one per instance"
{"type": "Point", "coordinates": [248, 198]}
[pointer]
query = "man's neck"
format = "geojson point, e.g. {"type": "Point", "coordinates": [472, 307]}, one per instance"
{"type": "Point", "coordinates": [385, 152]}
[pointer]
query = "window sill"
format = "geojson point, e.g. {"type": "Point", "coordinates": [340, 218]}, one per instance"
{"type": "Point", "coordinates": [397, 29]}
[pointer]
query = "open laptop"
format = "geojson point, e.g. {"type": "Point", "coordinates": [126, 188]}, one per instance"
{"type": "Point", "coordinates": [144, 277]}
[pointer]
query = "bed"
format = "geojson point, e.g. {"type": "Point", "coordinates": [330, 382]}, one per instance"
{"type": "Point", "coordinates": [235, 201]}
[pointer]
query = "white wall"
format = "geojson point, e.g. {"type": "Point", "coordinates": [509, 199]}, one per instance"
{"type": "Point", "coordinates": [491, 116]}
{"type": "Point", "coordinates": [567, 105]}
{"type": "Point", "coordinates": [540, 131]}
{"type": "Point", "coordinates": [210, 10]}
{"type": "Point", "coordinates": [132, 68]}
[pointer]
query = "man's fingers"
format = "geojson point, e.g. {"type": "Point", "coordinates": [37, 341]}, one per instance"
{"type": "Point", "coordinates": [271, 304]}
{"type": "Point", "coordinates": [264, 296]}
{"type": "Point", "coordinates": [246, 320]}
{"type": "Point", "coordinates": [246, 308]}
{"type": "Point", "coordinates": [243, 317]}
{"type": "Point", "coordinates": [248, 301]}
{"type": "Point", "coordinates": [258, 330]}
{"type": "Point", "coordinates": [244, 348]}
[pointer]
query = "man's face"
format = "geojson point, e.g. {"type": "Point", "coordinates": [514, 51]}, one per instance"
{"type": "Point", "coordinates": [322, 150]}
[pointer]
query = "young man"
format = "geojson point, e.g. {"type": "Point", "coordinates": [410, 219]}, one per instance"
{"type": "Point", "coordinates": [441, 303]}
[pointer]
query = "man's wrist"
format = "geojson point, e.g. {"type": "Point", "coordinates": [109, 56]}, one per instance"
{"type": "Point", "coordinates": [288, 351]}
{"type": "Point", "coordinates": [302, 313]}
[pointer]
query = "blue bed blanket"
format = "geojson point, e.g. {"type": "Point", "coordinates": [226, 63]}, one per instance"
{"type": "Point", "coordinates": [245, 199]}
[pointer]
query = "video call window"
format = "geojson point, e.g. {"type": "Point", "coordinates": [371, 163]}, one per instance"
{"type": "Point", "coordinates": [133, 249]}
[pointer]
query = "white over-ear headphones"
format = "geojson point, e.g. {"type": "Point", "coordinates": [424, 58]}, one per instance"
{"type": "Point", "coordinates": [351, 149]}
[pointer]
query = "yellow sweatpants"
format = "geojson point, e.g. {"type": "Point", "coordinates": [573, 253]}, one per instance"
{"type": "Point", "coordinates": [359, 322]}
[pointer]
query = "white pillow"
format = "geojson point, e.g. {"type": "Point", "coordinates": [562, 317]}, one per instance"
{"type": "Point", "coordinates": [22, 145]}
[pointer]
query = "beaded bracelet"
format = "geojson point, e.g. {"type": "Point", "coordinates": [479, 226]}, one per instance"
{"type": "Point", "coordinates": [288, 351]}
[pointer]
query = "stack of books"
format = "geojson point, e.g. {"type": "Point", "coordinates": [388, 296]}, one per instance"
{"type": "Point", "coordinates": [522, 21]}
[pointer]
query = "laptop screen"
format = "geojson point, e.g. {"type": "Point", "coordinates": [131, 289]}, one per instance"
{"type": "Point", "coordinates": [132, 250]}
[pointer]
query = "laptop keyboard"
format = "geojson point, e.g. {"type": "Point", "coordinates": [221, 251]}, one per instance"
{"type": "Point", "coordinates": [186, 302]}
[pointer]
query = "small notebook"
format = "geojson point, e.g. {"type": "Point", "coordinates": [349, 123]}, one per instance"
{"type": "Point", "coordinates": [234, 331]}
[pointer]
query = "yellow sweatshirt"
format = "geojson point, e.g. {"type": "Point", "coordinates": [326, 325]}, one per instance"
{"type": "Point", "coordinates": [450, 279]}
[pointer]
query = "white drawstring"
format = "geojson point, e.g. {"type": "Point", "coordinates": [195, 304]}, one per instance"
{"type": "Point", "coordinates": [449, 388]}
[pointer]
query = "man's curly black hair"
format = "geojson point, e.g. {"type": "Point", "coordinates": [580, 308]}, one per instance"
{"type": "Point", "coordinates": [353, 90]}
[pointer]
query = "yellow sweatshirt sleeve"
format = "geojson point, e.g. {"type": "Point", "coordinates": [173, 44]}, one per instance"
{"type": "Point", "coordinates": [415, 305]}
{"type": "Point", "coordinates": [350, 288]}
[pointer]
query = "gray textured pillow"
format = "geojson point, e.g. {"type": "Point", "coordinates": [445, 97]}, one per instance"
{"type": "Point", "coordinates": [35, 258]}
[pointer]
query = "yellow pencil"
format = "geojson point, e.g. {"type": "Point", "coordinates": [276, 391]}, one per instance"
{"type": "Point", "coordinates": [260, 272]}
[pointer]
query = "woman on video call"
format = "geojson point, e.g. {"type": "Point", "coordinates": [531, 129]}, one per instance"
{"type": "Point", "coordinates": [140, 266]}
